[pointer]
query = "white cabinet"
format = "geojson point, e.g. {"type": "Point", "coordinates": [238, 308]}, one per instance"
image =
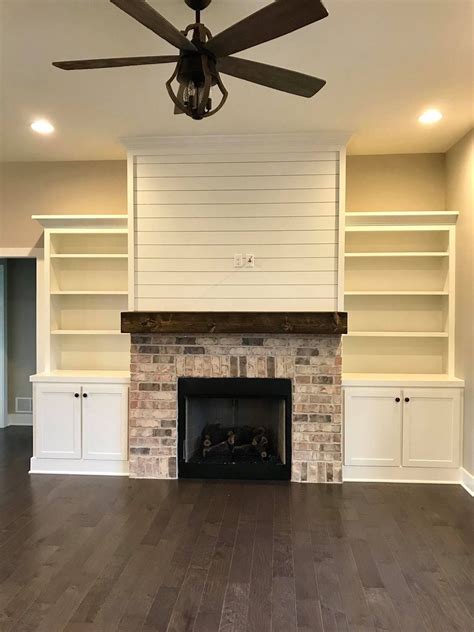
{"type": "Point", "coordinates": [104, 422]}
{"type": "Point", "coordinates": [431, 427]}
{"type": "Point", "coordinates": [373, 426]}
{"type": "Point", "coordinates": [404, 427]}
{"type": "Point", "coordinates": [85, 423]}
{"type": "Point", "coordinates": [58, 421]}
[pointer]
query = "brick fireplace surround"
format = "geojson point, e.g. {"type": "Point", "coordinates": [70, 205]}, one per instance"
{"type": "Point", "coordinates": [311, 361]}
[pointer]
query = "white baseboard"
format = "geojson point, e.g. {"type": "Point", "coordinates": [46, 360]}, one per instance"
{"type": "Point", "coordinates": [20, 419]}
{"type": "Point", "coordinates": [379, 474]}
{"type": "Point", "coordinates": [467, 481]}
{"type": "Point", "coordinates": [78, 467]}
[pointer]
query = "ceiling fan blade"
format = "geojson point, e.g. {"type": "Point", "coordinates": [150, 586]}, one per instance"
{"type": "Point", "coordinates": [271, 76]}
{"type": "Point", "coordinates": [149, 17]}
{"type": "Point", "coordinates": [115, 62]}
{"type": "Point", "coordinates": [276, 19]}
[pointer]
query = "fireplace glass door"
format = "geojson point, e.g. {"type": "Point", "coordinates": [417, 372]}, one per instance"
{"type": "Point", "coordinates": [234, 428]}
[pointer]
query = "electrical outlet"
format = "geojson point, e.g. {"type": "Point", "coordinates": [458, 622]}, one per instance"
{"type": "Point", "coordinates": [250, 261]}
{"type": "Point", "coordinates": [238, 261]}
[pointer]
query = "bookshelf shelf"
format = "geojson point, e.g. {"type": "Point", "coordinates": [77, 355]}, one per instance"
{"type": "Point", "coordinates": [85, 289]}
{"type": "Point", "coordinates": [399, 277]}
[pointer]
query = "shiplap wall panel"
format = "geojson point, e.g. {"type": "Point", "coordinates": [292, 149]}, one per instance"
{"type": "Point", "coordinates": [240, 277]}
{"type": "Point", "coordinates": [249, 238]}
{"type": "Point", "coordinates": [235, 196]}
{"type": "Point", "coordinates": [314, 168]}
{"type": "Point", "coordinates": [237, 156]}
{"type": "Point", "coordinates": [235, 224]}
{"type": "Point", "coordinates": [194, 209]}
{"type": "Point", "coordinates": [231, 183]}
{"type": "Point", "coordinates": [205, 303]}
{"type": "Point", "coordinates": [237, 292]}
{"type": "Point", "coordinates": [209, 264]}
{"type": "Point", "coordinates": [263, 251]}
{"type": "Point", "coordinates": [327, 209]}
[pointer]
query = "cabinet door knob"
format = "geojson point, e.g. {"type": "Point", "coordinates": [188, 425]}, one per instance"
{"type": "Point", "coordinates": [397, 399]}
{"type": "Point", "coordinates": [76, 394]}
{"type": "Point", "coordinates": [84, 394]}
{"type": "Point", "coordinates": [407, 399]}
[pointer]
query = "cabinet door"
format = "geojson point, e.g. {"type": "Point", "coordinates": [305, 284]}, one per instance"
{"type": "Point", "coordinates": [58, 421]}
{"type": "Point", "coordinates": [105, 421]}
{"type": "Point", "coordinates": [372, 426]}
{"type": "Point", "coordinates": [431, 427]}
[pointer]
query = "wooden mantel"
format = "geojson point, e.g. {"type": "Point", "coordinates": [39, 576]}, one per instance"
{"type": "Point", "coordinates": [315, 323]}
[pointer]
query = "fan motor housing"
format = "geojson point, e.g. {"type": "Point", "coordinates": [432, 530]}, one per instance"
{"type": "Point", "coordinates": [198, 5]}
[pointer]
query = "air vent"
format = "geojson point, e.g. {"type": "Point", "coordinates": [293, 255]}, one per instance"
{"type": "Point", "coordinates": [23, 405]}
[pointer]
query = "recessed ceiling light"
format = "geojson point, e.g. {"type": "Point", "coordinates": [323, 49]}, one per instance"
{"type": "Point", "coordinates": [42, 126]}
{"type": "Point", "coordinates": [430, 116]}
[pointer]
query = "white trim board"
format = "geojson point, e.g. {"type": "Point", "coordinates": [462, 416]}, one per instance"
{"type": "Point", "coordinates": [467, 481]}
{"type": "Point", "coordinates": [381, 474]}
{"type": "Point", "coordinates": [78, 467]}
{"type": "Point", "coordinates": [20, 419]}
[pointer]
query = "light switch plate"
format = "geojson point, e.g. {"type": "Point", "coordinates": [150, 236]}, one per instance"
{"type": "Point", "coordinates": [238, 261]}
{"type": "Point", "coordinates": [250, 261]}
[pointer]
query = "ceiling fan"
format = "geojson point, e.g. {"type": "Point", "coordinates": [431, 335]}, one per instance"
{"type": "Point", "coordinates": [202, 58]}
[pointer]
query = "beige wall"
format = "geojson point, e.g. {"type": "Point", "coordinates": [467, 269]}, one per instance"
{"type": "Point", "coordinates": [460, 197]}
{"type": "Point", "coordinates": [45, 188]}
{"type": "Point", "coordinates": [409, 182]}
{"type": "Point", "coordinates": [374, 183]}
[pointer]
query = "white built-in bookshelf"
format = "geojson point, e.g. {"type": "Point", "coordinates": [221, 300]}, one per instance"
{"type": "Point", "coordinates": [85, 290]}
{"type": "Point", "coordinates": [400, 295]}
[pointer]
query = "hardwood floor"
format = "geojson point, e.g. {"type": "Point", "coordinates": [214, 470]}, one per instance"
{"type": "Point", "coordinates": [90, 554]}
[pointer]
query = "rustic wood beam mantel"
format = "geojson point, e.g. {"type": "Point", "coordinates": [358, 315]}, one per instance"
{"type": "Point", "coordinates": [315, 323]}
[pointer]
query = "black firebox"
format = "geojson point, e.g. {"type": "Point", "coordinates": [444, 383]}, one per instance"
{"type": "Point", "coordinates": [238, 428]}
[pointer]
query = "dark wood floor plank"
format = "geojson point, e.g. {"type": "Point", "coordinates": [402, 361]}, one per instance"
{"type": "Point", "coordinates": [260, 599]}
{"type": "Point", "coordinates": [105, 554]}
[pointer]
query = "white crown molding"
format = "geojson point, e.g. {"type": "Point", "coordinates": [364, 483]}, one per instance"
{"type": "Point", "coordinates": [330, 141]}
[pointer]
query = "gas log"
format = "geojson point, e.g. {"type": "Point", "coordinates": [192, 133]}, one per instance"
{"type": "Point", "coordinates": [244, 442]}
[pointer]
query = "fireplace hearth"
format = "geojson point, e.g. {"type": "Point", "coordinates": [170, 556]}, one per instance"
{"type": "Point", "coordinates": [234, 428]}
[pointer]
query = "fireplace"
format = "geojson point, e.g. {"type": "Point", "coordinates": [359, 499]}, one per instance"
{"type": "Point", "coordinates": [234, 428]}
{"type": "Point", "coordinates": [239, 373]}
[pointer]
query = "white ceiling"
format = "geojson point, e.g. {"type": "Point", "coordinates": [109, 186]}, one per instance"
{"type": "Point", "coordinates": [385, 61]}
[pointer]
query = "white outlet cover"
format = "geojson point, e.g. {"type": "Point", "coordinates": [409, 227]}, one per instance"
{"type": "Point", "coordinates": [238, 261]}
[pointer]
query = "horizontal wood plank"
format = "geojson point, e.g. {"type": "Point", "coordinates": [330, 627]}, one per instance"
{"type": "Point", "coordinates": [219, 169]}
{"type": "Point", "coordinates": [248, 237]}
{"type": "Point", "coordinates": [237, 197]}
{"type": "Point", "coordinates": [226, 264]}
{"type": "Point", "coordinates": [236, 277]}
{"type": "Point", "coordinates": [314, 323]}
{"type": "Point", "coordinates": [237, 156]}
{"type": "Point", "coordinates": [315, 209]}
{"type": "Point", "coordinates": [229, 225]}
{"type": "Point", "coordinates": [237, 292]}
{"type": "Point", "coordinates": [231, 183]}
{"type": "Point", "coordinates": [221, 251]}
